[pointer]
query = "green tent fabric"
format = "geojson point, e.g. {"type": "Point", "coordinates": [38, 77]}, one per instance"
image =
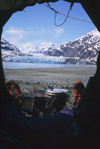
{"type": "Point", "coordinates": [8, 7]}
{"type": "Point", "coordinates": [92, 8]}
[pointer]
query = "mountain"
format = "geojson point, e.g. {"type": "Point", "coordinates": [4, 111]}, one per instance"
{"type": "Point", "coordinates": [9, 50]}
{"type": "Point", "coordinates": [44, 47]}
{"type": "Point", "coordinates": [83, 49]}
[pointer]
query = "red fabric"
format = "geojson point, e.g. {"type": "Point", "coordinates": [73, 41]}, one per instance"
{"type": "Point", "coordinates": [33, 89]}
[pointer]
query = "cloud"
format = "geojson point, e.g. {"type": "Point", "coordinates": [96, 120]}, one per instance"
{"type": "Point", "coordinates": [13, 35]}
{"type": "Point", "coordinates": [19, 33]}
{"type": "Point", "coordinates": [26, 40]}
{"type": "Point", "coordinates": [14, 31]}
{"type": "Point", "coordinates": [55, 32]}
{"type": "Point", "coordinates": [16, 36]}
{"type": "Point", "coordinates": [42, 31]}
{"type": "Point", "coordinates": [58, 31]}
{"type": "Point", "coordinates": [26, 47]}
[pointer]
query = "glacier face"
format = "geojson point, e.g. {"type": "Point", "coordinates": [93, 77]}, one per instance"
{"type": "Point", "coordinates": [36, 58]}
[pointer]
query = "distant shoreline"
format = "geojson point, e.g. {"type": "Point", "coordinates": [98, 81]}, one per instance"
{"type": "Point", "coordinates": [18, 65]}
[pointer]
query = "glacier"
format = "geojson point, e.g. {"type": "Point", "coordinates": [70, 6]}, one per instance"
{"type": "Point", "coordinates": [36, 58]}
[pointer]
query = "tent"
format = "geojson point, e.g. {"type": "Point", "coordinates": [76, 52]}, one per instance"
{"type": "Point", "coordinates": [8, 7]}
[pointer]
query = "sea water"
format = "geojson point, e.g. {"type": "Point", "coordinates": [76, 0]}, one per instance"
{"type": "Point", "coordinates": [16, 65]}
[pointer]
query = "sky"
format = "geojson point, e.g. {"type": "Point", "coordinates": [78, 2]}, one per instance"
{"type": "Point", "coordinates": [35, 24]}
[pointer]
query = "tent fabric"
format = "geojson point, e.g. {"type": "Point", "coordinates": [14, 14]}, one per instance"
{"type": "Point", "coordinates": [92, 8]}
{"type": "Point", "coordinates": [31, 132]}
{"type": "Point", "coordinates": [17, 5]}
{"type": "Point", "coordinates": [7, 8]}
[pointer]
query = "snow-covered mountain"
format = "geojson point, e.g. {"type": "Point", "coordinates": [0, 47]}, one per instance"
{"type": "Point", "coordinates": [44, 47]}
{"type": "Point", "coordinates": [83, 50]}
{"type": "Point", "coordinates": [85, 47]}
{"type": "Point", "coordinates": [9, 50]}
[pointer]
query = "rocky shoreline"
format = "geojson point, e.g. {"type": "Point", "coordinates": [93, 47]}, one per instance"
{"type": "Point", "coordinates": [28, 85]}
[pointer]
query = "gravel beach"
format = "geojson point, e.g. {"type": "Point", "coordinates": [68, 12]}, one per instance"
{"type": "Point", "coordinates": [56, 75]}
